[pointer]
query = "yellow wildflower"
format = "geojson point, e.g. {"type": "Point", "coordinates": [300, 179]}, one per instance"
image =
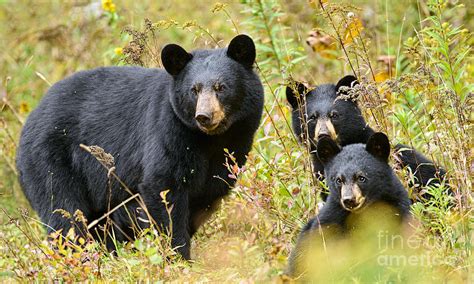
{"type": "Point", "coordinates": [118, 51]}
{"type": "Point", "coordinates": [353, 28]}
{"type": "Point", "coordinates": [108, 5]}
{"type": "Point", "coordinates": [24, 107]}
{"type": "Point", "coordinates": [218, 7]}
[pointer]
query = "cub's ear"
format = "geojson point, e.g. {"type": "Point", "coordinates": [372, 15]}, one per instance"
{"type": "Point", "coordinates": [174, 58]}
{"type": "Point", "coordinates": [292, 96]}
{"type": "Point", "coordinates": [327, 149]}
{"type": "Point", "coordinates": [242, 50]}
{"type": "Point", "coordinates": [348, 81]}
{"type": "Point", "coordinates": [378, 146]}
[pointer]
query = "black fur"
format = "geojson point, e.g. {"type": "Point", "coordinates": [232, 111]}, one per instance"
{"type": "Point", "coordinates": [381, 185]}
{"type": "Point", "coordinates": [145, 119]}
{"type": "Point", "coordinates": [350, 126]}
{"type": "Point", "coordinates": [425, 171]}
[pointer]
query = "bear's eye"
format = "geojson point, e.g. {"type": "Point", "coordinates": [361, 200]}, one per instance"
{"type": "Point", "coordinates": [333, 115]}
{"type": "Point", "coordinates": [362, 179]}
{"type": "Point", "coordinates": [338, 180]}
{"type": "Point", "coordinates": [218, 87]}
{"type": "Point", "coordinates": [314, 116]}
{"type": "Point", "coordinates": [196, 89]}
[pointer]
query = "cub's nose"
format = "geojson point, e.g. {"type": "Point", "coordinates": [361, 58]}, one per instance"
{"type": "Point", "coordinates": [322, 135]}
{"type": "Point", "coordinates": [204, 118]}
{"type": "Point", "coordinates": [349, 203]}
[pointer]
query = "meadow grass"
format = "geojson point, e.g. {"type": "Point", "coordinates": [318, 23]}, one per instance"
{"type": "Point", "coordinates": [414, 60]}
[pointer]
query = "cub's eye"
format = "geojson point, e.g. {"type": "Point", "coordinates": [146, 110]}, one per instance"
{"type": "Point", "coordinates": [333, 115]}
{"type": "Point", "coordinates": [362, 179]}
{"type": "Point", "coordinates": [314, 116]}
{"type": "Point", "coordinates": [338, 180]}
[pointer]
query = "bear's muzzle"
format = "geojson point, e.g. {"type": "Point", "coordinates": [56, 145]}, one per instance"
{"type": "Point", "coordinates": [209, 112]}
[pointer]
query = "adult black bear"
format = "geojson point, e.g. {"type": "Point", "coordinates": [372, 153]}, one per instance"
{"type": "Point", "coordinates": [322, 112]}
{"type": "Point", "coordinates": [166, 129]}
{"type": "Point", "coordinates": [358, 177]}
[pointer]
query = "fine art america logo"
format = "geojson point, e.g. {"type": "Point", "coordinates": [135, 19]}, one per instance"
{"type": "Point", "coordinates": [396, 250]}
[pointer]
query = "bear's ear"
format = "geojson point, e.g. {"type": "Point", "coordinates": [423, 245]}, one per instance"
{"type": "Point", "coordinates": [242, 50]}
{"type": "Point", "coordinates": [378, 146]}
{"type": "Point", "coordinates": [293, 91]}
{"type": "Point", "coordinates": [348, 81]}
{"type": "Point", "coordinates": [327, 149]}
{"type": "Point", "coordinates": [174, 58]}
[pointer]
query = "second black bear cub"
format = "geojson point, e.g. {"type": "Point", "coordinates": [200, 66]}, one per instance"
{"type": "Point", "coordinates": [358, 177]}
{"type": "Point", "coordinates": [329, 111]}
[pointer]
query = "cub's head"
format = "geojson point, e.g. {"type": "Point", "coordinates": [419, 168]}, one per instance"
{"type": "Point", "coordinates": [323, 112]}
{"type": "Point", "coordinates": [212, 89]}
{"type": "Point", "coordinates": [358, 174]}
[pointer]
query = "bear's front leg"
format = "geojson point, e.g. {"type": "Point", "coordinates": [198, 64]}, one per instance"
{"type": "Point", "coordinates": [171, 214]}
{"type": "Point", "coordinates": [331, 215]}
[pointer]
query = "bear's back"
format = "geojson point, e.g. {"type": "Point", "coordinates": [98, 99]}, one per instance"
{"type": "Point", "coordinates": [106, 106]}
{"type": "Point", "coordinates": [109, 95]}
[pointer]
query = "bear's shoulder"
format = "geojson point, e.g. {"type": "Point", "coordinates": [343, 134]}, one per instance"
{"type": "Point", "coordinates": [108, 72]}
{"type": "Point", "coordinates": [109, 78]}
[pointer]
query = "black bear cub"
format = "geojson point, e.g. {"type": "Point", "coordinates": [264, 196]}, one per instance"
{"type": "Point", "coordinates": [167, 130]}
{"type": "Point", "coordinates": [358, 177]}
{"type": "Point", "coordinates": [329, 111]}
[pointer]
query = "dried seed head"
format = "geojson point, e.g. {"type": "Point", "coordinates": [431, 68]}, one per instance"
{"type": "Point", "coordinates": [103, 157]}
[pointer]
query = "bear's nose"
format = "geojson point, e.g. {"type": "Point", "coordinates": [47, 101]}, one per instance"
{"type": "Point", "coordinates": [323, 130]}
{"type": "Point", "coordinates": [349, 203]}
{"type": "Point", "coordinates": [204, 118]}
{"type": "Point", "coordinates": [322, 135]}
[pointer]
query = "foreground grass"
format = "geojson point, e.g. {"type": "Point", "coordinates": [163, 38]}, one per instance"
{"type": "Point", "coordinates": [425, 103]}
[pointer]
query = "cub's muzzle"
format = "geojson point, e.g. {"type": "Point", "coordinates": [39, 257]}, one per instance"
{"type": "Point", "coordinates": [351, 197]}
{"type": "Point", "coordinates": [324, 128]}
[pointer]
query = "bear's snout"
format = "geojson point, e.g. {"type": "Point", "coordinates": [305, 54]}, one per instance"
{"type": "Point", "coordinates": [204, 118]}
{"type": "Point", "coordinates": [349, 202]}
{"type": "Point", "coordinates": [324, 128]}
{"type": "Point", "coordinates": [351, 197]}
{"type": "Point", "coordinates": [209, 112]}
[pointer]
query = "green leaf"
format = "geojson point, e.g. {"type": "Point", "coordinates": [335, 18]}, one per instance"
{"type": "Point", "coordinates": [151, 251]}
{"type": "Point", "coordinates": [156, 259]}
{"type": "Point", "coordinates": [133, 261]}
